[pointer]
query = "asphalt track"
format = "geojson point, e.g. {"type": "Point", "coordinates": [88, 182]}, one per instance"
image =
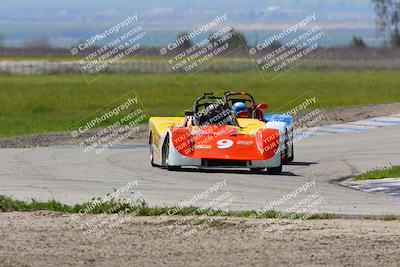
{"type": "Point", "coordinates": [69, 175]}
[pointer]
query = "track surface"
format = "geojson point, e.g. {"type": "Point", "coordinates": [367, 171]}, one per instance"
{"type": "Point", "coordinates": [69, 175]}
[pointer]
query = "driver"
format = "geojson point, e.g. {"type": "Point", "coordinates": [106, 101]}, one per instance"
{"type": "Point", "coordinates": [218, 114]}
{"type": "Point", "coordinates": [240, 110]}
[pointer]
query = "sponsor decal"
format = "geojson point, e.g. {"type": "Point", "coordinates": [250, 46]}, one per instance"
{"type": "Point", "coordinates": [247, 143]}
{"type": "Point", "coordinates": [202, 147]}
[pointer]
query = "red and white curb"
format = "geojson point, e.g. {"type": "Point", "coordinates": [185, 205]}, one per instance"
{"type": "Point", "coordinates": [388, 186]}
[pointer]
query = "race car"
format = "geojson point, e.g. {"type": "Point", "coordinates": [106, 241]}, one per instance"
{"type": "Point", "coordinates": [288, 120]}
{"type": "Point", "coordinates": [246, 104]}
{"type": "Point", "coordinates": [213, 135]}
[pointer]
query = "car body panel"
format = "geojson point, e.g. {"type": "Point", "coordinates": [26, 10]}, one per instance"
{"type": "Point", "coordinates": [287, 119]}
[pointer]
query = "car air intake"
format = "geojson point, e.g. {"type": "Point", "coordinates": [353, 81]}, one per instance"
{"type": "Point", "coordinates": [223, 163]}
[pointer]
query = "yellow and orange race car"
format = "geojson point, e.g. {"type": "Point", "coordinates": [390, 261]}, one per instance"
{"type": "Point", "coordinates": [217, 134]}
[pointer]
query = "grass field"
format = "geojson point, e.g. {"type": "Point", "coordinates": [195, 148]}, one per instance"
{"type": "Point", "coordinates": [33, 104]}
{"type": "Point", "coordinates": [310, 64]}
{"type": "Point", "coordinates": [388, 172]}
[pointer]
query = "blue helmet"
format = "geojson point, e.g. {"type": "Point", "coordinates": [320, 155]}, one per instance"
{"type": "Point", "coordinates": [238, 106]}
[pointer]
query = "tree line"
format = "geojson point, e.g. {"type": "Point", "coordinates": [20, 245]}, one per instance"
{"type": "Point", "coordinates": [387, 20]}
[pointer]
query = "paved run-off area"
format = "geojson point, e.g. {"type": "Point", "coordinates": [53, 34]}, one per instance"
{"type": "Point", "coordinates": [69, 175]}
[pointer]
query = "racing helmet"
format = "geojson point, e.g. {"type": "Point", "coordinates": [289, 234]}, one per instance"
{"type": "Point", "coordinates": [239, 106]}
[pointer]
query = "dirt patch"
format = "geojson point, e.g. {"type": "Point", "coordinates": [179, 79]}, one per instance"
{"type": "Point", "coordinates": [333, 116]}
{"type": "Point", "coordinates": [51, 239]}
{"type": "Point", "coordinates": [65, 139]}
{"type": "Point", "coordinates": [348, 114]}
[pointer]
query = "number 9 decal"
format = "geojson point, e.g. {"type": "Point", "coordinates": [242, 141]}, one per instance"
{"type": "Point", "coordinates": [224, 143]}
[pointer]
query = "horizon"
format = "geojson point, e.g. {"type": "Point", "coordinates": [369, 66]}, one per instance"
{"type": "Point", "coordinates": [65, 22]}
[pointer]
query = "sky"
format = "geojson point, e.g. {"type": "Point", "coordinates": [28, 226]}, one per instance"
{"type": "Point", "coordinates": [66, 21]}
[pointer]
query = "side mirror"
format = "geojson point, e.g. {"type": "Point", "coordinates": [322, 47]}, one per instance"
{"type": "Point", "coordinates": [189, 113]}
{"type": "Point", "coordinates": [262, 106]}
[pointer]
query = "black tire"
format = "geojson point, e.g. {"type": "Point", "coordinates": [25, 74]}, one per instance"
{"type": "Point", "coordinates": [275, 170]}
{"type": "Point", "coordinates": [166, 155]}
{"type": "Point", "coordinates": [152, 158]}
{"type": "Point", "coordinates": [291, 158]}
{"type": "Point", "coordinates": [287, 160]}
{"type": "Point", "coordinates": [151, 152]}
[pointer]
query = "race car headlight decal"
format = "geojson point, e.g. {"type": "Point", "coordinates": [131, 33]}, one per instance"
{"type": "Point", "coordinates": [267, 141]}
{"type": "Point", "coordinates": [182, 141]}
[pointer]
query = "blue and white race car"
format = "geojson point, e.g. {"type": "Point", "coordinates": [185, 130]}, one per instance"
{"type": "Point", "coordinates": [288, 120]}
{"type": "Point", "coordinates": [244, 105]}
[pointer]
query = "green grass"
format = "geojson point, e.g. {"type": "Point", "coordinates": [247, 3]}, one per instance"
{"type": "Point", "coordinates": [8, 204]}
{"type": "Point", "coordinates": [389, 218]}
{"type": "Point", "coordinates": [36, 104]}
{"type": "Point", "coordinates": [387, 172]}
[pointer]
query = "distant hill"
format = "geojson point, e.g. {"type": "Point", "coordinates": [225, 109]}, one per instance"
{"type": "Point", "coordinates": [65, 21]}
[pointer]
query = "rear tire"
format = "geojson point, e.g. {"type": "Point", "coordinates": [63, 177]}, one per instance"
{"type": "Point", "coordinates": [276, 170]}
{"type": "Point", "coordinates": [291, 158]}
